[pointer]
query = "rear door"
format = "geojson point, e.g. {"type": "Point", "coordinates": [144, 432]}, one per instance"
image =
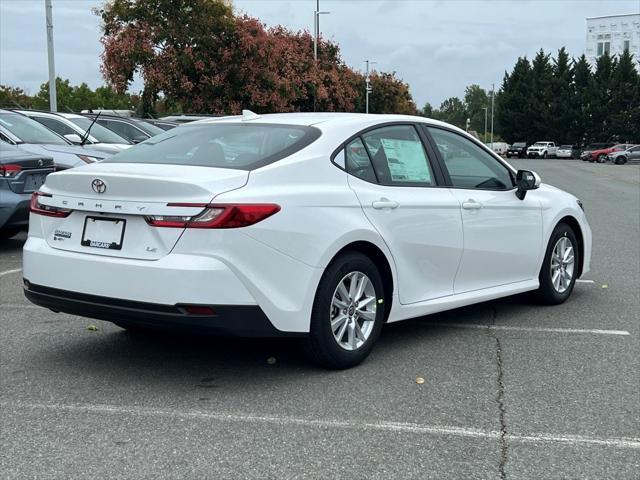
{"type": "Point", "coordinates": [397, 186]}
{"type": "Point", "coordinates": [502, 234]}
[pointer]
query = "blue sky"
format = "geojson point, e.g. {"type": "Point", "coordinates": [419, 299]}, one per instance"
{"type": "Point", "coordinates": [438, 46]}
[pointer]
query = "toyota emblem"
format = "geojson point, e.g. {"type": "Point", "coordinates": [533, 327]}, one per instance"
{"type": "Point", "coordinates": [98, 186]}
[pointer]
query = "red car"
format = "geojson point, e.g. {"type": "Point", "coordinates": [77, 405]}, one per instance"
{"type": "Point", "coordinates": [600, 156]}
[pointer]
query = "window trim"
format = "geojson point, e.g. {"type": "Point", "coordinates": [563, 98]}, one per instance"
{"type": "Point", "coordinates": [512, 172]}
{"type": "Point", "coordinates": [439, 179]}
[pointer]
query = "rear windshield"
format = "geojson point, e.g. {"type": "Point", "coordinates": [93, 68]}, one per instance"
{"type": "Point", "coordinates": [229, 145]}
{"type": "Point", "coordinates": [565, 147]}
{"type": "Point", "coordinates": [519, 144]}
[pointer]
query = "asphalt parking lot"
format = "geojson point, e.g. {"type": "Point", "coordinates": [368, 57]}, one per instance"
{"type": "Point", "coordinates": [512, 390]}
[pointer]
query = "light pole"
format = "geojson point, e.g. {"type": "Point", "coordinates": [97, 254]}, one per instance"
{"type": "Point", "coordinates": [53, 101]}
{"type": "Point", "coordinates": [493, 96]}
{"type": "Point", "coordinates": [367, 85]}
{"type": "Point", "coordinates": [316, 28]}
{"type": "Point", "coordinates": [486, 109]}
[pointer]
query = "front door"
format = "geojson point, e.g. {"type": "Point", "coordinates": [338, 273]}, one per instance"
{"type": "Point", "coordinates": [502, 234]}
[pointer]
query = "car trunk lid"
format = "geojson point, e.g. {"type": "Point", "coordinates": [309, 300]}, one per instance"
{"type": "Point", "coordinates": [109, 203]}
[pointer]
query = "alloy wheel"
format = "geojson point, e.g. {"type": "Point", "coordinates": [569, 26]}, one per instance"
{"type": "Point", "coordinates": [353, 310]}
{"type": "Point", "coordinates": [562, 264]}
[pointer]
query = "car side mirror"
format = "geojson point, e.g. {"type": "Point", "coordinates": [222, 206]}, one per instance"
{"type": "Point", "coordinates": [526, 180]}
{"type": "Point", "coordinates": [73, 138]}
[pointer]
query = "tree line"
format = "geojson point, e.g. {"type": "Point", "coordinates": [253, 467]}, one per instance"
{"type": "Point", "coordinates": [71, 98]}
{"type": "Point", "coordinates": [558, 99]}
{"type": "Point", "coordinates": [215, 61]}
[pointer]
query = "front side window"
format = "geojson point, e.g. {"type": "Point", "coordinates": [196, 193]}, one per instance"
{"type": "Point", "coordinates": [28, 130]}
{"type": "Point", "coordinates": [123, 129]}
{"type": "Point", "coordinates": [223, 145]}
{"type": "Point", "coordinates": [57, 126]}
{"type": "Point", "coordinates": [398, 156]}
{"type": "Point", "coordinates": [468, 165]}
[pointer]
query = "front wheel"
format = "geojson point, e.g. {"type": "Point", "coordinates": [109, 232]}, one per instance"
{"type": "Point", "coordinates": [560, 268]}
{"type": "Point", "coordinates": [621, 160]}
{"type": "Point", "coordinates": [348, 312]}
{"type": "Point", "coordinates": [544, 155]}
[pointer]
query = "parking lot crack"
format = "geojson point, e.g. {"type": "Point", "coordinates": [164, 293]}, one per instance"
{"type": "Point", "coordinates": [500, 395]}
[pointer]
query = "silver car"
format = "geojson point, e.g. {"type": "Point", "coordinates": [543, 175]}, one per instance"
{"type": "Point", "coordinates": [74, 128]}
{"type": "Point", "coordinates": [630, 155]}
{"type": "Point", "coordinates": [28, 135]}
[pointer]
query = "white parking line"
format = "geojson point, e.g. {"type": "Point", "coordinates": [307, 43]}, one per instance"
{"type": "Point", "coordinates": [534, 329]}
{"type": "Point", "coordinates": [585, 281]}
{"type": "Point", "coordinates": [19, 305]}
{"type": "Point", "coordinates": [7, 272]}
{"type": "Point", "coordinates": [579, 440]}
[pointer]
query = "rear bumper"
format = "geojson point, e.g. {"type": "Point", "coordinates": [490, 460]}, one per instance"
{"type": "Point", "coordinates": [234, 320]}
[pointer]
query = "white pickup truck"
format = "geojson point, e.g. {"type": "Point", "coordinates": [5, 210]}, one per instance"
{"type": "Point", "coordinates": [542, 150]}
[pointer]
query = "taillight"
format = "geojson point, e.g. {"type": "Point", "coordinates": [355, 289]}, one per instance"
{"type": "Point", "coordinates": [8, 171]}
{"type": "Point", "coordinates": [47, 210]}
{"type": "Point", "coordinates": [215, 216]}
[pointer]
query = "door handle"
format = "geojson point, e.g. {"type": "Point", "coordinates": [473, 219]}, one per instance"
{"type": "Point", "coordinates": [384, 203]}
{"type": "Point", "coordinates": [471, 205]}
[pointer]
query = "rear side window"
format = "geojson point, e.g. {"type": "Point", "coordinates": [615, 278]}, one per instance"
{"type": "Point", "coordinates": [237, 146]}
{"type": "Point", "coordinates": [398, 156]}
{"type": "Point", "coordinates": [358, 163]}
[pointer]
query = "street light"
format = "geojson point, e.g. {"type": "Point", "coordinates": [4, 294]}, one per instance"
{"type": "Point", "coordinates": [316, 28]}
{"type": "Point", "coordinates": [493, 96]}
{"type": "Point", "coordinates": [367, 82]}
{"type": "Point", "coordinates": [53, 101]}
{"type": "Point", "coordinates": [486, 109]}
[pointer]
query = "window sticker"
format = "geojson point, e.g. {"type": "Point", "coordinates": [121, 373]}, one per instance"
{"type": "Point", "coordinates": [406, 160]}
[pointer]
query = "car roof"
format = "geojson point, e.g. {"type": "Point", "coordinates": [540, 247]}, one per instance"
{"type": "Point", "coordinates": [323, 120]}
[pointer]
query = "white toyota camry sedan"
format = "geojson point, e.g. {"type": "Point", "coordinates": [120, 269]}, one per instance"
{"type": "Point", "coordinates": [323, 225]}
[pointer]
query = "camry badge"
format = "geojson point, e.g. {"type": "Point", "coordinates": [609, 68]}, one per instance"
{"type": "Point", "coordinates": [98, 186]}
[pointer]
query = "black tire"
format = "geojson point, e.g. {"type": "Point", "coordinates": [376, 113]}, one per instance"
{"type": "Point", "coordinates": [602, 158]}
{"type": "Point", "coordinates": [7, 233]}
{"type": "Point", "coordinates": [544, 155]}
{"type": "Point", "coordinates": [321, 345]}
{"type": "Point", "coordinates": [621, 160]}
{"type": "Point", "coordinates": [547, 293]}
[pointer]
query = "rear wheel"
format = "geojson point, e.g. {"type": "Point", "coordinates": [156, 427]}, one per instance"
{"type": "Point", "coordinates": [7, 233]}
{"type": "Point", "coordinates": [560, 268]}
{"type": "Point", "coordinates": [348, 312]}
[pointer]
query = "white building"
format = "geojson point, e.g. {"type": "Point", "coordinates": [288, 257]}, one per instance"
{"type": "Point", "coordinates": [613, 34]}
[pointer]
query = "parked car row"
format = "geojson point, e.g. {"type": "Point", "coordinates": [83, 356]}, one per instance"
{"type": "Point", "coordinates": [619, 154]}
{"type": "Point", "coordinates": [35, 143]}
{"type": "Point", "coordinates": [595, 152]}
